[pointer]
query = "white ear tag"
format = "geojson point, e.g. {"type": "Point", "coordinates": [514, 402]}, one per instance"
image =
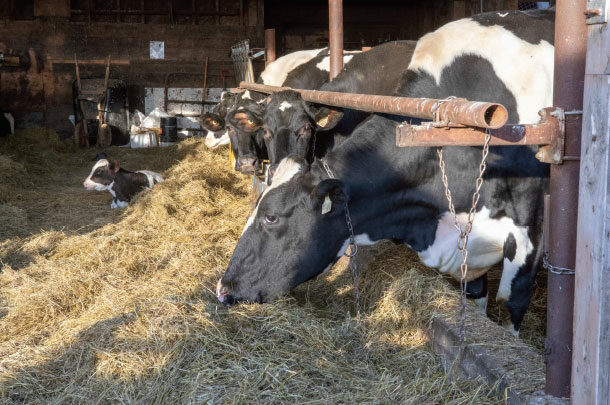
{"type": "Point", "coordinates": [326, 205]}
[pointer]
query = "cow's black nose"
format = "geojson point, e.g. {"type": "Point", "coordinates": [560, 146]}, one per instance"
{"type": "Point", "coordinates": [223, 294]}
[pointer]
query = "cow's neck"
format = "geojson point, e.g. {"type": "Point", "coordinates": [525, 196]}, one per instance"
{"type": "Point", "coordinates": [384, 184]}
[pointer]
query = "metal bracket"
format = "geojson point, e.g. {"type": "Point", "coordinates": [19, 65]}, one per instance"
{"type": "Point", "coordinates": [554, 152]}
{"type": "Point", "coordinates": [596, 12]}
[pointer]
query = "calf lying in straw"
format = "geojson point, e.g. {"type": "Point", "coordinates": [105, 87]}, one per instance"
{"type": "Point", "coordinates": [121, 183]}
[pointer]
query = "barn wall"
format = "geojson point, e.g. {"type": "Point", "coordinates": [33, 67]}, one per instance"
{"type": "Point", "coordinates": [47, 34]}
{"type": "Point", "coordinates": [304, 25]}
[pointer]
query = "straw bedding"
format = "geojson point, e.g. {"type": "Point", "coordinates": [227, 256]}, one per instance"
{"type": "Point", "coordinates": [101, 305]}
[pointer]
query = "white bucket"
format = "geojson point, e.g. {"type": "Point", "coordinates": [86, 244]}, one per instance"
{"type": "Point", "coordinates": [143, 140]}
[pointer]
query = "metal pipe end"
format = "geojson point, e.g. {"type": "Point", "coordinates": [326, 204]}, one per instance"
{"type": "Point", "coordinates": [495, 116]}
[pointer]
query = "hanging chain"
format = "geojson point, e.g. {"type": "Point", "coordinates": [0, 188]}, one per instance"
{"type": "Point", "coordinates": [462, 242]}
{"type": "Point", "coordinates": [352, 248]}
{"type": "Point", "coordinates": [313, 145]}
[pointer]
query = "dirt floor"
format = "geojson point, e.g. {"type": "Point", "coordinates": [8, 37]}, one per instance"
{"type": "Point", "coordinates": [111, 305]}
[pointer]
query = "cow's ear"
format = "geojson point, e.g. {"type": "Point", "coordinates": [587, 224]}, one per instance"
{"type": "Point", "coordinates": [327, 118]}
{"type": "Point", "coordinates": [328, 197]}
{"type": "Point", "coordinates": [114, 166]}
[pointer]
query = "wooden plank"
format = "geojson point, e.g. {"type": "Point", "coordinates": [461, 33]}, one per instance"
{"type": "Point", "coordinates": [89, 61]}
{"type": "Point", "coordinates": [458, 9]}
{"type": "Point", "coordinates": [511, 4]}
{"type": "Point", "coordinates": [591, 347]}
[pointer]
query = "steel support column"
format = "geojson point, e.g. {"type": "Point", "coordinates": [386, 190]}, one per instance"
{"type": "Point", "coordinates": [570, 51]}
{"type": "Point", "coordinates": [335, 36]}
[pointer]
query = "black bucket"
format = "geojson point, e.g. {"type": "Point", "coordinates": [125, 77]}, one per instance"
{"type": "Point", "coordinates": [169, 129]}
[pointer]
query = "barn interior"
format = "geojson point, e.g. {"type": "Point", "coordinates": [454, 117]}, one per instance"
{"type": "Point", "coordinates": [119, 305]}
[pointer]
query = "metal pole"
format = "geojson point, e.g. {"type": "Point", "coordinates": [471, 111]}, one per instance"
{"type": "Point", "coordinates": [269, 45]}
{"type": "Point", "coordinates": [335, 36]}
{"type": "Point", "coordinates": [456, 111]}
{"type": "Point", "coordinates": [570, 51]}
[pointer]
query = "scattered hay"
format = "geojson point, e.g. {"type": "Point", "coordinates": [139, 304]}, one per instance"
{"type": "Point", "coordinates": [12, 219]}
{"type": "Point", "coordinates": [119, 306]}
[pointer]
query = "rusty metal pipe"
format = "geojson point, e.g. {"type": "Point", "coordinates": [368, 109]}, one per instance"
{"type": "Point", "coordinates": [431, 136]}
{"type": "Point", "coordinates": [455, 111]}
{"type": "Point", "coordinates": [269, 45]}
{"type": "Point", "coordinates": [570, 51]}
{"type": "Point", "coordinates": [335, 36]}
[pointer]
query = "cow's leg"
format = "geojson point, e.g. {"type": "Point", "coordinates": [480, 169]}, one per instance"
{"type": "Point", "coordinates": [521, 256]}
{"type": "Point", "coordinates": [477, 289]}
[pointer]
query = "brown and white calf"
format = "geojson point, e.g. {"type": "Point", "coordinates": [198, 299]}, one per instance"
{"type": "Point", "coordinates": [121, 183]}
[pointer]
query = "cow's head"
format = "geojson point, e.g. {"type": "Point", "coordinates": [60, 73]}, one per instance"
{"type": "Point", "coordinates": [295, 233]}
{"type": "Point", "coordinates": [102, 175]}
{"type": "Point", "coordinates": [290, 125]}
{"type": "Point", "coordinates": [213, 123]}
{"type": "Point", "coordinates": [245, 126]}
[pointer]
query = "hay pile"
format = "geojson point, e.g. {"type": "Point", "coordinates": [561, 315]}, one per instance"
{"type": "Point", "coordinates": [118, 306]}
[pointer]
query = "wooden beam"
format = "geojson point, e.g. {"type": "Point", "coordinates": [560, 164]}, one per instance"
{"type": "Point", "coordinates": [458, 9]}
{"type": "Point", "coordinates": [591, 347]}
{"type": "Point", "coordinates": [511, 4]}
{"type": "Point", "coordinates": [88, 61]}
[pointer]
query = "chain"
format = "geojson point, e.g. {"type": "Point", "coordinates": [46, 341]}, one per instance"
{"type": "Point", "coordinates": [313, 145]}
{"type": "Point", "coordinates": [555, 269]}
{"type": "Point", "coordinates": [462, 242]}
{"type": "Point", "coordinates": [352, 248]}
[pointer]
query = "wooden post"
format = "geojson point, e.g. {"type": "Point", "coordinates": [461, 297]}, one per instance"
{"type": "Point", "coordinates": [101, 105]}
{"type": "Point", "coordinates": [458, 9]}
{"type": "Point", "coordinates": [82, 107]}
{"type": "Point", "coordinates": [269, 45]}
{"type": "Point", "coordinates": [205, 81]}
{"type": "Point", "coordinates": [591, 349]}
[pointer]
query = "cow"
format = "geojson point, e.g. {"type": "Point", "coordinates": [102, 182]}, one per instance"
{"type": "Point", "coordinates": [7, 124]}
{"type": "Point", "coordinates": [291, 126]}
{"type": "Point", "coordinates": [298, 228]}
{"type": "Point", "coordinates": [274, 75]}
{"type": "Point", "coordinates": [121, 183]}
{"type": "Point", "coordinates": [247, 142]}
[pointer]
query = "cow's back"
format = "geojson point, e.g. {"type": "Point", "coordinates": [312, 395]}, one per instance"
{"type": "Point", "coordinates": [496, 57]}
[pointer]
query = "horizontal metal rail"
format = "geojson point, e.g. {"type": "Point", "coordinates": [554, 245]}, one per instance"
{"type": "Point", "coordinates": [455, 111]}
{"type": "Point", "coordinates": [548, 134]}
{"type": "Point", "coordinates": [429, 135]}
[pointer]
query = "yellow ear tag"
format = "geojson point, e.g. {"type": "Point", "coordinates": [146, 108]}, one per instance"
{"type": "Point", "coordinates": [231, 157]}
{"type": "Point", "coordinates": [322, 122]}
{"type": "Point", "coordinates": [326, 205]}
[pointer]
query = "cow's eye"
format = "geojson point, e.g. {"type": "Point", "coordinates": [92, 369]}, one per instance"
{"type": "Point", "coordinates": [270, 219]}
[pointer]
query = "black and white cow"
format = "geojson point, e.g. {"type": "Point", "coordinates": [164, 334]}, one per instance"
{"type": "Point", "coordinates": [121, 183]}
{"type": "Point", "coordinates": [246, 140]}
{"type": "Point", "coordinates": [290, 125]}
{"type": "Point", "coordinates": [7, 124]}
{"type": "Point", "coordinates": [298, 228]}
{"type": "Point", "coordinates": [274, 75]}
